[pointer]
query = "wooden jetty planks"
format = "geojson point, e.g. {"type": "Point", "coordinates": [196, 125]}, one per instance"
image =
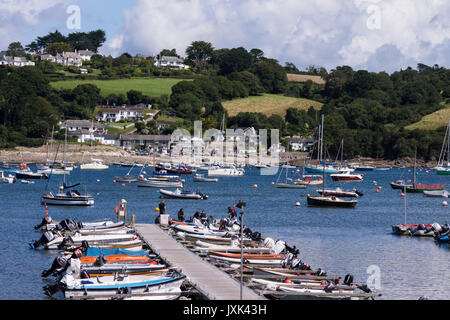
{"type": "Point", "coordinates": [213, 283]}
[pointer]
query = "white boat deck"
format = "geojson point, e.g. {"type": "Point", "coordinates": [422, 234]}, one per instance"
{"type": "Point", "coordinates": [213, 283]}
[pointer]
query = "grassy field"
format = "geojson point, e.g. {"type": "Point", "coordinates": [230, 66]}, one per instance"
{"type": "Point", "coordinates": [432, 121]}
{"type": "Point", "coordinates": [269, 104]}
{"type": "Point", "coordinates": [153, 87]}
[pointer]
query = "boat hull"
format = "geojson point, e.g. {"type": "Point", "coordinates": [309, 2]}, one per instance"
{"type": "Point", "coordinates": [68, 201]}
{"type": "Point", "coordinates": [329, 202]}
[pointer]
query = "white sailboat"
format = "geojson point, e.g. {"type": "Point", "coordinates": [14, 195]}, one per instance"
{"type": "Point", "coordinates": [66, 195]}
{"type": "Point", "coordinates": [95, 164]}
{"type": "Point", "coordinates": [444, 169]}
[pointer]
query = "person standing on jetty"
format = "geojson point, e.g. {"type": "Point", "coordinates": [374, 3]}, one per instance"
{"type": "Point", "coordinates": [181, 215]}
{"type": "Point", "coordinates": [162, 210]}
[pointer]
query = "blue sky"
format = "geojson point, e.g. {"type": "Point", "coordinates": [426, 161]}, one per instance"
{"type": "Point", "coordinates": [378, 35]}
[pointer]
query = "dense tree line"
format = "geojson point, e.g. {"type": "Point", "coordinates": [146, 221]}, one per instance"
{"type": "Point", "coordinates": [368, 110]}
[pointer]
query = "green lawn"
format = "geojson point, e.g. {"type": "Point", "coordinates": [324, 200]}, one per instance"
{"type": "Point", "coordinates": [153, 87]}
{"type": "Point", "coordinates": [268, 104]}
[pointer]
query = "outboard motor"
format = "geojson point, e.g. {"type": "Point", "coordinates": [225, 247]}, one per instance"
{"type": "Point", "coordinates": [321, 273]}
{"type": "Point", "coordinates": [67, 241]}
{"type": "Point", "coordinates": [269, 243]}
{"type": "Point", "coordinates": [279, 246]}
{"type": "Point", "coordinates": [45, 221]}
{"type": "Point", "coordinates": [436, 227]}
{"type": "Point", "coordinates": [45, 238]}
{"type": "Point", "coordinates": [329, 287]}
{"type": "Point", "coordinates": [256, 236]}
{"type": "Point", "coordinates": [100, 261]}
{"type": "Point", "coordinates": [348, 280]}
{"type": "Point", "coordinates": [292, 250]}
{"type": "Point", "coordinates": [60, 264]}
{"type": "Point", "coordinates": [67, 225]}
{"type": "Point", "coordinates": [222, 224]}
{"type": "Point", "coordinates": [295, 263]}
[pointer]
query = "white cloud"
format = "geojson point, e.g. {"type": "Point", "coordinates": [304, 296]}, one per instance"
{"type": "Point", "coordinates": [18, 17]}
{"type": "Point", "coordinates": [321, 32]}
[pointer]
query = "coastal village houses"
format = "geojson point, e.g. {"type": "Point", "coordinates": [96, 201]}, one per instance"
{"type": "Point", "coordinates": [69, 58]}
{"type": "Point", "coordinates": [6, 60]}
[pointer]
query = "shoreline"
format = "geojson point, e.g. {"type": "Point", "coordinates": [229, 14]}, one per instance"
{"type": "Point", "coordinates": [112, 154]}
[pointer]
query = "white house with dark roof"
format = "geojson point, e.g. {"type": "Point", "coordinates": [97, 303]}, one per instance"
{"type": "Point", "coordinates": [171, 62]}
{"type": "Point", "coordinates": [15, 61]}
{"type": "Point", "coordinates": [118, 114]}
{"type": "Point", "coordinates": [86, 55]}
{"type": "Point", "coordinates": [80, 125]}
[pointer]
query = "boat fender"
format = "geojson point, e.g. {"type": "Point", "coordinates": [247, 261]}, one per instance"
{"type": "Point", "coordinates": [348, 280]}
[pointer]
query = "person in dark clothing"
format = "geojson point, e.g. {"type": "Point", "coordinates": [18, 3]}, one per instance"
{"type": "Point", "coordinates": [231, 213]}
{"type": "Point", "coordinates": [162, 207]}
{"type": "Point", "coordinates": [162, 210]}
{"type": "Point", "coordinates": [196, 215]}
{"type": "Point", "coordinates": [181, 215]}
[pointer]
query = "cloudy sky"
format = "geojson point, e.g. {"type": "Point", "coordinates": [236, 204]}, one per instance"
{"type": "Point", "coordinates": [378, 35]}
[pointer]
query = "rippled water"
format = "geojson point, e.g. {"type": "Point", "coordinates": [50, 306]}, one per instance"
{"type": "Point", "coordinates": [339, 241]}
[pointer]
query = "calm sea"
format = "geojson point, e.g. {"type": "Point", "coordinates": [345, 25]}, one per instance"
{"type": "Point", "coordinates": [340, 241]}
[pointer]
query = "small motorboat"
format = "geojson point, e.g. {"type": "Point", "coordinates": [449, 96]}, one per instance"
{"type": "Point", "coordinates": [400, 185]}
{"type": "Point", "coordinates": [96, 164]}
{"type": "Point", "coordinates": [202, 178]}
{"type": "Point", "coordinates": [69, 198]}
{"type": "Point", "coordinates": [330, 201]}
{"type": "Point", "coordinates": [249, 258]}
{"type": "Point", "coordinates": [310, 180]}
{"type": "Point", "coordinates": [127, 179]}
{"type": "Point", "coordinates": [436, 193]}
{"type": "Point", "coordinates": [290, 186]}
{"type": "Point", "coordinates": [147, 183]}
{"type": "Point", "coordinates": [26, 182]}
{"type": "Point", "coordinates": [31, 175]}
{"type": "Point", "coordinates": [169, 283]}
{"type": "Point", "coordinates": [54, 241]}
{"type": "Point", "coordinates": [6, 178]}
{"type": "Point", "coordinates": [179, 194]}
{"type": "Point", "coordinates": [417, 230]}
{"type": "Point", "coordinates": [346, 176]}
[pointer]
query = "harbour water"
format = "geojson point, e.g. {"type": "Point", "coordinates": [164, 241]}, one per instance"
{"type": "Point", "coordinates": [341, 241]}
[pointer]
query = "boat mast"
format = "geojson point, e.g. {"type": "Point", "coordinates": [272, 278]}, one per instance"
{"type": "Point", "coordinates": [64, 156]}
{"type": "Point", "coordinates": [448, 143]}
{"type": "Point", "coordinates": [321, 139]}
{"type": "Point", "coordinates": [404, 193]}
{"type": "Point", "coordinates": [414, 175]}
